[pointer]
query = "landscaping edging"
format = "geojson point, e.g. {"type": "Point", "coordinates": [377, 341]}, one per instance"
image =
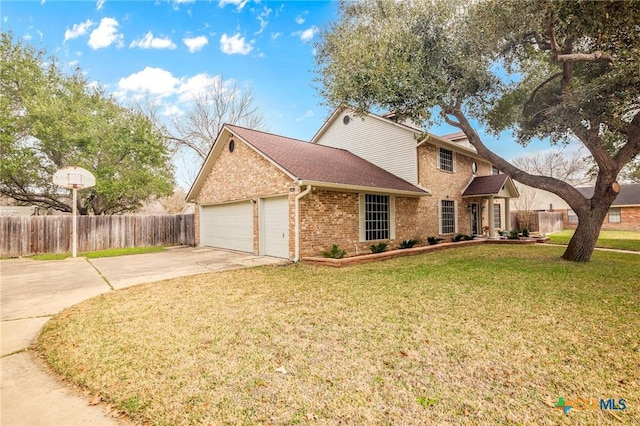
{"type": "Point", "coordinates": [392, 254]}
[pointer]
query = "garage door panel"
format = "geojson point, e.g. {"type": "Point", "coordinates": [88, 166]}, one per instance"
{"type": "Point", "coordinates": [275, 227]}
{"type": "Point", "coordinates": [228, 226]}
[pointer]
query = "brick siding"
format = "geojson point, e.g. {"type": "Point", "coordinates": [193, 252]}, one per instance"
{"type": "Point", "coordinates": [629, 220]}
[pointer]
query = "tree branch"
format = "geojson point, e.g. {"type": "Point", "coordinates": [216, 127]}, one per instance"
{"type": "Point", "coordinates": [540, 86]}
{"type": "Point", "coordinates": [585, 57]}
{"type": "Point", "coordinates": [564, 190]}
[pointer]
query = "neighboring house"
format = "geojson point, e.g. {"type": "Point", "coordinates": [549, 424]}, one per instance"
{"type": "Point", "coordinates": [624, 213]}
{"type": "Point", "coordinates": [360, 181]}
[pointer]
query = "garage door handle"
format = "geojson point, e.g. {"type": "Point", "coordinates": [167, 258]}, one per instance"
{"type": "Point", "coordinates": [283, 235]}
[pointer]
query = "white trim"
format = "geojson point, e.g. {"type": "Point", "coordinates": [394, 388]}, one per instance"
{"type": "Point", "coordinates": [367, 189]}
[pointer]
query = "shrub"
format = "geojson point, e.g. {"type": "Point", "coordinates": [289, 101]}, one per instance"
{"type": "Point", "coordinates": [468, 237]}
{"type": "Point", "coordinates": [525, 232]}
{"type": "Point", "coordinates": [335, 252]}
{"type": "Point", "coordinates": [408, 244]}
{"type": "Point", "coordinates": [378, 248]}
{"type": "Point", "coordinates": [514, 234]}
{"type": "Point", "coordinates": [433, 240]}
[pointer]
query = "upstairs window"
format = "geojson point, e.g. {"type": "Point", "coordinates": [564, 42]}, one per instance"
{"type": "Point", "coordinates": [445, 159]}
{"type": "Point", "coordinates": [571, 216]}
{"type": "Point", "coordinates": [494, 170]}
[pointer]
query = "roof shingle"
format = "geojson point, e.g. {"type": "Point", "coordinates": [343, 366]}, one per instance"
{"type": "Point", "coordinates": [485, 185]}
{"type": "Point", "coordinates": [312, 162]}
{"type": "Point", "coordinates": [629, 194]}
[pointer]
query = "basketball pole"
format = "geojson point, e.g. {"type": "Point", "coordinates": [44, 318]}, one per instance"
{"type": "Point", "coordinates": [74, 243]}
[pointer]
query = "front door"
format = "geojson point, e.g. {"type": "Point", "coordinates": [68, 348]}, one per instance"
{"type": "Point", "coordinates": [476, 219]}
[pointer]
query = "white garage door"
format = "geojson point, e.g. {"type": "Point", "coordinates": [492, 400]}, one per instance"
{"type": "Point", "coordinates": [228, 226]}
{"type": "Point", "coordinates": [275, 227]}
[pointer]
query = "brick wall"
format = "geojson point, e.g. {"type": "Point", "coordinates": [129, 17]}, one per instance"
{"type": "Point", "coordinates": [446, 185]}
{"type": "Point", "coordinates": [629, 220]}
{"type": "Point", "coordinates": [332, 217]}
{"type": "Point", "coordinates": [243, 175]}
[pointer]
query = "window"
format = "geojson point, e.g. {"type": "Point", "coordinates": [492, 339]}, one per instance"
{"type": "Point", "coordinates": [376, 220]}
{"type": "Point", "coordinates": [614, 215]}
{"type": "Point", "coordinates": [571, 216]}
{"type": "Point", "coordinates": [497, 220]}
{"type": "Point", "coordinates": [447, 217]}
{"type": "Point", "coordinates": [445, 159]}
{"type": "Point", "coordinates": [494, 170]}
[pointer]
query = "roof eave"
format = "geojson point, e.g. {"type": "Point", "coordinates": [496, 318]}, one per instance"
{"type": "Point", "coordinates": [362, 188]}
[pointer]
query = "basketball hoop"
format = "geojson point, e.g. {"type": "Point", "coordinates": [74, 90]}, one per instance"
{"type": "Point", "coordinates": [74, 178]}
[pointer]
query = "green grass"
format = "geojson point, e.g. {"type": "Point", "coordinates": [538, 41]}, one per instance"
{"type": "Point", "coordinates": [474, 335]}
{"type": "Point", "coordinates": [621, 240]}
{"type": "Point", "coordinates": [100, 253]}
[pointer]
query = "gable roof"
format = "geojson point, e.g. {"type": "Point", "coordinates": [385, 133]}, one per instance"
{"type": "Point", "coordinates": [413, 131]}
{"type": "Point", "coordinates": [629, 194]}
{"type": "Point", "coordinates": [496, 185]}
{"type": "Point", "coordinates": [310, 164]}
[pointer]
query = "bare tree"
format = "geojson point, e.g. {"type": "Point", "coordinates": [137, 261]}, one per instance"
{"type": "Point", "coordinates": [220, 103]}
{"type": "Point", "coordinates": [571, 167]}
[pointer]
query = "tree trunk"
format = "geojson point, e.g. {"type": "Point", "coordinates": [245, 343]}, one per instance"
{"type": "Point", "coordinates": [586, 235]}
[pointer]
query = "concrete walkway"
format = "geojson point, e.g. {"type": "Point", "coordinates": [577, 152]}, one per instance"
{"type": "Point", "coordinates": [33, 291]}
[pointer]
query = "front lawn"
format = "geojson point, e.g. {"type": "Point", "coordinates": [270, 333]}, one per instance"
{"type": "Point", "coordinates": [622, 240]}
{"type": "Point", "coordinates": [476, 335]}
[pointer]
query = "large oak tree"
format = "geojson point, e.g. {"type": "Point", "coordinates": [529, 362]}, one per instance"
{"type": "Point", "coordinates": [557, 70]}
{"type": "Point", "coordinates": [49, 120]}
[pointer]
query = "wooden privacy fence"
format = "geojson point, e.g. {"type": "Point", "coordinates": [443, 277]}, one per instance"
{"type": "Point", "coordinates": [543, 222]}
{"type": "Point", "coordinates": [26, 235]}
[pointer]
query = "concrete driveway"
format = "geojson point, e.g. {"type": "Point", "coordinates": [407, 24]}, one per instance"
{"type": "Point", "coordinates": [33, 291]}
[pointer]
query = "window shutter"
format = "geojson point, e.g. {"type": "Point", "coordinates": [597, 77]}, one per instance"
{"type": "Point", "coordinates": [392, 218]}
{"type": "Point", "coordinates": [455, 216]}
{"type": "Point", "coordinates": [440, 217]}
{"type": "Point", "coordinates": [438, 157]}
{"type": "Point", "coordinates": [453, 165]}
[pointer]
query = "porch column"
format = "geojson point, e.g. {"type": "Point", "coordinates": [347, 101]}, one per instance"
{"type": "Point", "coordinates": [507, 214]}
{"type": "Point", "coordinates": [492, 229]}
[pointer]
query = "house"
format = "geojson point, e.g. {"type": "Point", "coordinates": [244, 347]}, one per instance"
{"type": "Point", "coordinates": [624, 213]}
{"type": "Point", "coordinates": [359, 181]}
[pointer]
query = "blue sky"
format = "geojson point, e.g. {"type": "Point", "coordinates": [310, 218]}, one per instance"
{"type": "Point", "coordinates": [171, 49]}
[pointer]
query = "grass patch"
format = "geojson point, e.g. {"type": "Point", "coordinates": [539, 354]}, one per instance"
{"type": "Point", "coordinates": [621, 240]}
{"type": "Point", "coordinates": [100, 253]}
{"type": "Point", "coordinates": [477, 335]}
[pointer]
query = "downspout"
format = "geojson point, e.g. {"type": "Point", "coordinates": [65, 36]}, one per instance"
{"type": "Point", "coordinates": [297, 222]}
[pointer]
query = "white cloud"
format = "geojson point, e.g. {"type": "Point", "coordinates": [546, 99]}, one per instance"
{"type": "Point", "coordinates": [78, 30]}
{"type": "Point", "coordinates": [234, 44]}
{"type": "Point", "coordinates": [308, 34]}
{"type": "Point", "coordinates": [151, 42]}
{"type": "Point", "coordinates": [262, 18]}
{"type": "Point", "coordinates": [238, 3]}
{"type": "Point", "coordinates": [300, 20]}
{"type": "Point", "coordinates": [196, 43]}
{"type": "Point", "coordinates": [154, 81]}
{"type": "Point", "coordinates": [307, 114]}
{"type": "Point", "coordinates": [275, 36]}
{"type": "Point", "coordinates": [99, 4]}
{"type": "Point", "coordinates": [106, 34]}
{"type": "Point", "coordinates": [195, 85]}
{"type": "Point", "coordinates": [172, 110]}
{"type": "Point", "coordinates": [160, 83]}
